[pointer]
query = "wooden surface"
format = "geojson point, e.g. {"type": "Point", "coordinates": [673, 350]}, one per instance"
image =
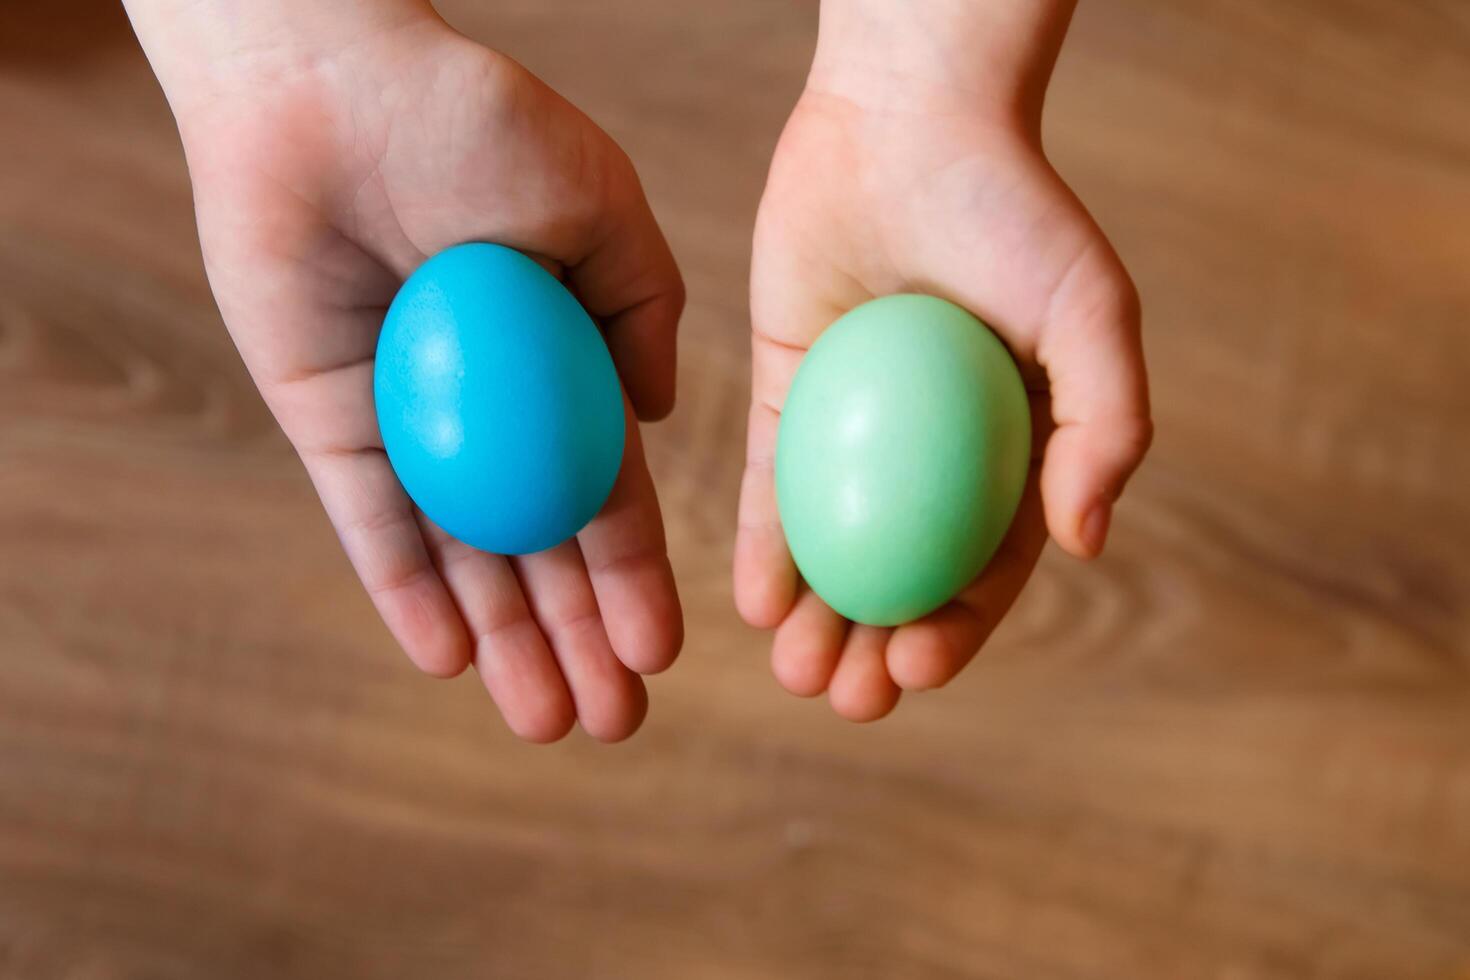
{"type": "Point", "coordinates": [1238, 748]}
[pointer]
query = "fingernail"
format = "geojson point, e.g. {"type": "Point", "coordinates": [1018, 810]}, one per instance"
{"type": "Point", "coordinates": [1095, 528]}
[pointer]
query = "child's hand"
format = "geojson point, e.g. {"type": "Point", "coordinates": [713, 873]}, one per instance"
{"type": "Point", "coordinates": [333, 147]}
{"type": "Point", "coordinates": [913, 164]}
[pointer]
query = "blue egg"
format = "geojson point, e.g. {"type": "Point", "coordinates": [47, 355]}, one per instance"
{"type": "Point", "coordinates": [498, 402]}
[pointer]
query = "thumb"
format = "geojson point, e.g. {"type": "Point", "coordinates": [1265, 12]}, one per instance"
{"type": "Point", "coordinates": [1092, 351]}
{"type": "Point", "coordinates": [630, 282]}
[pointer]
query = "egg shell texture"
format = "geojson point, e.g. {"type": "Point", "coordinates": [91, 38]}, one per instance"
{"type": "Point", "coordinates": [497, 400]}
{"type": "Point", "coordinates": [902, 453]}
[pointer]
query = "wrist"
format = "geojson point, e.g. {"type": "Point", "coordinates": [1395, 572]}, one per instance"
{"type": "Point", "coordinates": [987, 57]}
{"type": "Point", "coordinates": [205, 49]}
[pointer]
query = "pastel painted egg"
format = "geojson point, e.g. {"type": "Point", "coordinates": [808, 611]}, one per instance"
{"type": "Point", "coordinates": [498, 402]}
{"type": "Point", "coordinates": [901, 457]}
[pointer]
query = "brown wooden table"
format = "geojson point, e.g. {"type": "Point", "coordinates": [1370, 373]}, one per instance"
{"type": "Point", "coordinates": [1238, 748]}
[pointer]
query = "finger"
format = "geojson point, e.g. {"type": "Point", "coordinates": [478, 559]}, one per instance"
{"type": "Point", "coordinates": [807, 645]}
{"type": "Point", "coordinates": [610, 699]}
{"type": "Point", "coordinates": [511, 654]}
{"type": "Point", "coordinates": [861, 689]}
{"type": "Point", "coordinates": [327, 411]}
{"type": "Point", "coordinates": [628, 564]}
{"type": "Point", "coordinates": [631, 282]}
{"type": "Point", "coordinates": [929, 652]}
{"type": "Point", "coordinates": [379, 531]}
{"type": "Point", "coordinates": [1093, 354]}
{"type": "Point", "coordinates": [764, 573]}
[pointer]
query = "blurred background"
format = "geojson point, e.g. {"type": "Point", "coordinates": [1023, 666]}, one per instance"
{"type": "Point", "coordinates": [1238, 747]}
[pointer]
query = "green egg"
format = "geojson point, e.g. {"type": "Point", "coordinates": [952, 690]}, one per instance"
{"type": "Point", "coordinates": [901, 457]}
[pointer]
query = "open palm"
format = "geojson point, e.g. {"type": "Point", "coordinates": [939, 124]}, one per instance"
{"type": "Point", "coordinates": [865, 201]}
{"type": "Point", "coordinates": [316, 199]}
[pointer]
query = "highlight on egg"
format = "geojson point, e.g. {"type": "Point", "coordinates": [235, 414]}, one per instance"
{"type": "Point", "coordinates": [497, 400]}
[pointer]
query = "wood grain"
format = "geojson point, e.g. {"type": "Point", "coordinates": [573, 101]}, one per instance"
{"type": "Point", "coordinates": [1238, 748]}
